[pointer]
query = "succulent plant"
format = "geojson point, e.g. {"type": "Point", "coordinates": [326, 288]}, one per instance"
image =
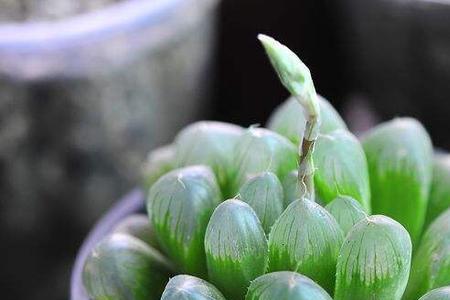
{"type": "Point", "coordinates": [158, 162]}
{"type": "Point", "coordinates": [343, 173]}
{"type": "Point", "coordinates": [124, 267]}
{"type": "Point", "coordinates": [209, 143]}
{"type": "Point", "coordinates": [286, 286]}
{"type": "Point", "coordinates": [399, 154]}
{"type": "Point", "coordinates": [306, 239]}
{"type": "Point", "coordinates": [374, 261]}
{"type": "Point", "coordinates": [139, 226]}
{"type": "Point", "coordinates": [347, 212]}
{"type": "Point", "coordinates": [236, 248]}
{"type": "Point", "coordinates": [439, 199]}
{"type": "Point", "coordinates": [186, 287]}
{"type": "Point", "coordinates": [431, 264]}
{"type": "Point", "coordinates": [181, 203]}
{"type": "Point", "coordinates": [289, 119]}
{"type": "Point", "coordinates": [437, 294]}
{"type": "Point", "coordinates": [264, 193]}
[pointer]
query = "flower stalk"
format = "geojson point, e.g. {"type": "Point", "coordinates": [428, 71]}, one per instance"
{"type": "Point", "coordinates": [296, 77]}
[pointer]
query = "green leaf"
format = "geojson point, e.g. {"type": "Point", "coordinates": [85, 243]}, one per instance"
{"type": "Point", "coordinates": [264, 193]}
{"type": "Point", "coordinates": [138, 225]}
{"type": "Point", "coordinates": [260, 150]}
{"type": "Point", "coordinates": [341, 168]}
{"type": "Point", "coordinates": [347, 212]}
{"type": "Point", "coordinates": [285, 286]}
{"type": "Point", "coordinates": [158, 162]}
{"type": "Point", "coordinates": [306, 239]}
{"type": "Point", "coordinates": [181, 203]}
{"type": "Point", "coordinates": [289, 119]}
{"type": "Point", "coordinates": [124, 267]}
{"type": "Point", "coordinates": [431, 264]}
{"type": "Point", "coordinates": [186, 287]}
{"type": "Point", "coordinates": [374, 261]}
{"type": "Point", "coordinates": [437, 294]}
{"type": "Point", "coordinates": [291, 188]}
{"type": "Point", "coordinates": [439, 199]}
{"type": "Point", "coordinates": [209, 143]}
{"type": "Point", "coordinates": [236, 248]}
{"type": "Point", "coordinates": [399, 154]}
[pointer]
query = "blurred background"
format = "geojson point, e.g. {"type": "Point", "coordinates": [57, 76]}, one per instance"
{"type": "Point", "coordinates": [87, 88]}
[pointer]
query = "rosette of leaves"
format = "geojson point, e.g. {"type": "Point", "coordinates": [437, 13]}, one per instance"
{"type": "Point", "coordinates": [181, 203]}
{"type": "Point", "coordinates": [209, 143]}
{"type": "Point", "coordinates": [287, 286]}
{"type": "Point", "coordinates": [186, 287]}
{"type": "Point", "coordinates": [439, 199]}
{"type": "Point", "coordinates": [374, 261]}
{"type": "Point", "coordinates": [236, 248]}
{"type": "Point", "coordinates": [345, 172]}
{"type": "Point", "coordinates": [158, 162]}
{"type": "Point", "coordinates": [347, 212]}
{"type": "Point", "coordinates": [437, 294]}
{"type": "Point", "coordinates": [399, 154]}
{"type": "Point", "coordinates": [259, 150]}
{"type": "Point", "coordinates": [124, 267]}
{"type": "Point", "coordinates": [264, 193]}
{"type": "Point", "coordinates": [289, 119]}
{"type": "Point", "coordinates": [306, 239]}
{"type": "Point", "coordinates": [431, 264]}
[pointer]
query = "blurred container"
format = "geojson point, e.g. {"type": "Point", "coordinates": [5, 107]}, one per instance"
{"type": "Point", "coordinates": [399, 53]}
{"type": "Point", "coordinates": [82, 100]}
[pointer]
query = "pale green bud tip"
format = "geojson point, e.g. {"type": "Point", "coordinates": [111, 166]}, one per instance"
{"type": "Point", "coordinates": [186, 287]}
{"type": "Point", "coordinates": [293, 73]}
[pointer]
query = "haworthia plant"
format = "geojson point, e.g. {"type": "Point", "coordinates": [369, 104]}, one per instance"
{"type": "Point", "coordinates": [139, 226]}
{"type": "Point", "coordinates": [289, 119]}
{"type": "Point", "coordinates": [296, 78]}
{"type": "Point", "coordinates": [236, 248]}
{"type": "Point", "coordinates": [186, 287]}
{"type": "Point", "coordinates": [439, 199]}
{"type": "Point", "coordinates": [341, 168]}
{"type": "Point", "coordinates": [158, 162]}
{"type": "Point", "coordinates": [290, 188]}
{"type": "Point", "coordinates": [431, 264]}
{"type": "Point", "coordinates": [347, 212]}
{"type": "Point", "coordinates": [285, 286]}
{"type": "Point", "coordinates": [264, 193]}
{"type": "Point", "coordinates": [260, 150]}
{"type": "Point", "coordinates": [374, 261]}
{"type": "Point", "coordinates": [437, 294]}
{"type": "Point", "coordinates": [181, 203]}
{"type": "Point", "coordinates": [209, 143]}
{"type": "Point", "coordinates": [399, 154]}
{"type": "Point", "coordinates": [306, 239]}
{"type": "Point", "coordinates": [124, 267]}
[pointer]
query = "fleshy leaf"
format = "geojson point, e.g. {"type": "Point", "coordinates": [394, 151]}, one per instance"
{"type": "Point", "coordinates": [264, 193]}
{"type": "Point", "coordinates": [181, 203]}
{"type": "Point", "coordinates": [437, 294]}
{"type": "Point", "coordinates": [374, 261]}
{"type": "Point", "coordinates": [439, 199]}
{"type": "Point", "coordinates": [291, 188]}
{"type": "Point", "coordinates": [399, 154]}
{"type": "Point", "coordinates": [209, 143]}
{"type": "Point", "coordinates": [285, 286]}
{"type": "Point", "coordinates": [431, 264]}
{"type": "Point", "coordinates": [306, 239]}
{"type": "Point", "coordinates": [138, 225]}
{"type": "Point", "coordinates": [158, 162]}
{"type": "Point", "coordinates": [260, 150]}
{"type": "Point", "coordinates": [124, 267]}
{"type": "Point", "coordinates": [347, 212]}
{"type": "Point", "coordinates": [236, 248]}
{"type": "Point", "coordinates": [289, 119]}
{"type": "Point", "coordinates": [341, 168]}
{"type": "Point", "coordinates": [186, 287]}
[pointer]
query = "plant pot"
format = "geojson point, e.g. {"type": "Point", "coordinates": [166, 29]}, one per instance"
{"type": "Point", "coordinates": [82, 100]}
{"type": "Point", "coordinates": [133, 202]}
